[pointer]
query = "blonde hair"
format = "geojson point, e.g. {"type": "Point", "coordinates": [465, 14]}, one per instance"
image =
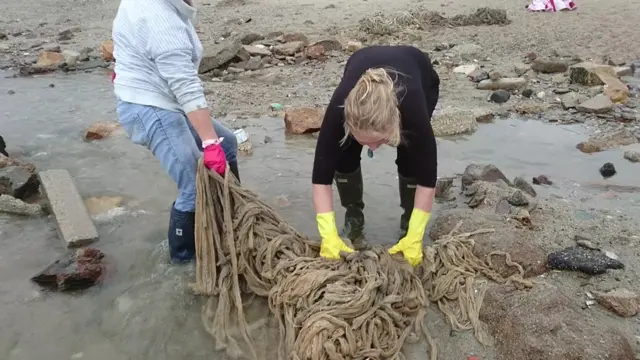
{"type": "Point", "coordinates": [372, 106]}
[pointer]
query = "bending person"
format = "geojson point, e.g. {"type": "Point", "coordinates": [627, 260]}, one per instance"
{"type": "Point", "coordinates": [161, 103]}
{"type": "Point", "coordinates": [387, 96]}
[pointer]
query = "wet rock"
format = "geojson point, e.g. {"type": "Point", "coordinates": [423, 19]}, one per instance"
{"type": "Point", "coordinates": [545, 324]}
{"type": "Point", "coordinates": [254, 63]}
{"type": "Point", "coordinates": [11, 205]}
{"type": "Point", "coordinates": [352, 46]}
{"type": "Point", "coordinates": [576, 258]}
{"type": "Point", "coordinates": [549, 66]}
{"type": "Point", "coordinates": [500, 96]}
{"type": "Point", "coordinates": [250, 38]}
{"type": "Point", "coordinates": [527, 93]}
{"type": "Point", "coordinates": [623, 71]}
{"type": "Point", "coordinates": [467, 52]}
{"type": "Point", "coordinates": [602, 142]}
{"type": "Point", "coordinates": [78, 271]}
{"type": "Point", "coordinates": [541, 180]}
{"type": "Point", "coordinates": [49, 58]}
{"type": "Point", "coordinates": [599, 104]}
{"type": "Point", "coordinates": [522, 184]}
{"type": "Point", "coordinates": [71, 57]}
{"type": "Point", "coordinates": [18, 182]}
{"type": "Point", "coordinates": [288, 49]}
{"type": "Point", "coordinates": [477, 75]}
{"type": "Point", "coordinates": [588, 74]}
{"type": "Point", "coordinates": [571, 100]}
{"type": "Point", "coordinates": [482, 172]}
{"type": "Point", "coordinates": [314, 51]}
{"type": "Point", "coordinates": [518, 198]}
{"type": "Point", "coordinates": [633, 156]}
{"type": "Point", "coordinates": [607, 170]}
{"type": "Point", "coordinates": [303, 120]}
{"type": "Point", "coordinates": [101, 130]}
{"type": "Point", "coordinates": [443, 186]}
{"type": "Point", "coordinates": [484, 116]}
{"type": "Point", "coordinates": [614, 88]}
{"type": "Point", "coordinates": [502, 84]}
{"type": "Point", "coordinates": [448, 122]}
{"type": "Point", "coordinates": [217, 55]}
{"type": "Point", "coordinates": [106, 50]}
{"type": "Point", "coordinates": [257, 50]}
{"type": "Point", "coordinates": [622, 301]}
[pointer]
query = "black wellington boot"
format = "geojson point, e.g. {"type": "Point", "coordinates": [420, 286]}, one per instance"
{"type": "Point", "coordinates": [407, 190]}
{"type": "Point", "coordinates": [350, 190]}
{"type": "Point", "coordinates": [182, 245]}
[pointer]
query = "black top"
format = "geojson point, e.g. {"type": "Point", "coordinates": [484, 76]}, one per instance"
{"type": "Point", "coordinates": [417, 102]}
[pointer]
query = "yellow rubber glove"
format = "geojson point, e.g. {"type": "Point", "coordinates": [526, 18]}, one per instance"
{"type": "Point", "coordinates": [411, 244]}
{"type": "Point", "coordinates": [331, 244]}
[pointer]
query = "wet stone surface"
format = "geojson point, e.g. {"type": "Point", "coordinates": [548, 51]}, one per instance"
{"type": "Point", "coordinates": [576, 258]}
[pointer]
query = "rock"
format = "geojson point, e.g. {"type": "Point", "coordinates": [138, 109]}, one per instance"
{"type": "Point", "coordinates": [561, 91]}
{"type": "Point", "coordinates": [541, 95]}
{"type": "Point", "coordinates": [51, 48]}
{"type": "Point", "coordinates": [599, 104]}
{"type": "Point", "coordinates": [500, 96]}
{"type": "Point", "coordinates": [521, 69]}
{"type": "Point", "coordinates": [314, 51]}
{"type": "Point", "coordinates": [295, 37]}
{"type": "Point", "coordinates": [443, 185]}
{"type": "Point", "coordinates": [522, 184]}
{"type": "Point", "coordinates": [11, 205]}
{"type": "Point", "coordinates": [257, 50]}
{"type": "Point", "coordinates": [448, 122]}
{"type": "Point", "coordinates": [547, 66]}
{"type": "Point", "coordinates": [531, 107]}
{"type": "Point", "coordinates": [250, 38]}
{"type": "Point", "coordinates": [484, 116]}
{"type": "Point", "coordinates": [622, 301]}
{"type": "Point", "coordinates": [218, 55]}
{"type": "Point", "coordinates": [328, 45]}
{"type": "Point", "coordinates": [602, 142]}
{"type": "Point", "coordinates": [303, 120]}
{"type": "Point", "coordinates": [352, 46]}
{"type": "Point", "coordinates": [65, 35]}
{"type": "Point", "coordinates": [614, 88]}
{"type": "Point", "coordinates": [623, 71]}
{"type": "Point", "coordinates": [47, 58]}
{"type": "Point", "coordinates": [502, 84]}
{"type": "Point", "coordinates": [18, 182]}
{"type": "Point", "coordinates": [254, 63]}
{"type": "Point", "coordinates": [633, 156]}
{"type": "Point", "coordinates": [607, 170]}
{"type": "Point", "coordinates": [527, 93]}
{"type": "Point", "coordinates": [467, 52]}
{"type": "Point", "coordinates": [541, 180]}
{"type": "Point", "coordinates": [79, 271]}
{"type": "Point", "coordinates": [465, 69]}
{"type": "Point", "coordinates": [101, 130]}
{"type": "Point", "coordinates": [588, 74]}
{"type": "Point", "coordinates": [571, 100]}
{"type": "Point", "coordinates": [495, 75]}
{"type": "Point", "coordinates": [518, 198]}
{"type": "Point", "coordinates": [543, 323]}
{"type": "Point", "coordinates": [482, 172]}
{"type": "Point", "coordinates": [71, 57]}
{"type": "Point", "coordinates": [242, 55]}
{"type": "Point", "coordinates": [477, 75]}
{"type": "Point", "coordinates": [106, 50]}
{"type": "Point", "coordinates": [288, 49]}
{"type": "Point", "coordinates": [577, 258]}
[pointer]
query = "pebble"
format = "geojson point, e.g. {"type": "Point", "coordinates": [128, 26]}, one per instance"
{"type": "Point", "coordinates": [588, 261]}
{"type": "Point", "coordinates": [633, 156]}
{"type": "Point", "coordinates": [522, 184]}
{"type": "Point", "coordinates": [518, 198]}
{"type": "Point", "coordinates": [608, 170]}
{"type": "Point", "coordinates": [500, 96]}
{"type": "Point", "coordinates": [541, 180]}
{"type": "Point", "coordinates": [527, 93]}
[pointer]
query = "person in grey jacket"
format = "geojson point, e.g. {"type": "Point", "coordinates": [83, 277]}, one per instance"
{"type": "Point", "coordinates": [161, 103]}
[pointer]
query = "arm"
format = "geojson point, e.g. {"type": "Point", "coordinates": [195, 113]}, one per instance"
{"type": "Point", "coordinates": [170, 47]}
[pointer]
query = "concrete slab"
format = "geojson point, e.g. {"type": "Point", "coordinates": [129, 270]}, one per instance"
{"type": "Point", "coordinates": [75, 226]}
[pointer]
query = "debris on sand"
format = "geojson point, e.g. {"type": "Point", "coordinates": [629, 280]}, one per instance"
{"type": "Point", "coordinates": [576, 258]}
{"type": "Point", "coordinates": [78, 271]}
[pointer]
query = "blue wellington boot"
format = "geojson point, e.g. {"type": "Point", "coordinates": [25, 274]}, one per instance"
{"type": "Point", "coordinates": [182, 245]}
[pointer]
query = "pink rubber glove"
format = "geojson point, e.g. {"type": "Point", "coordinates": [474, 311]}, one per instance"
{"type": "Point", "coordinates": [214, 158]}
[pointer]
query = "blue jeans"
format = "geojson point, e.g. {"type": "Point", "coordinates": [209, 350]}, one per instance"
{"type": "Point", "coordinates": [175, 143]}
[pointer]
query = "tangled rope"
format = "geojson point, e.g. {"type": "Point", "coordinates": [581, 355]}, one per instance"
{"type": "Point", "coordinates": [362, 307]}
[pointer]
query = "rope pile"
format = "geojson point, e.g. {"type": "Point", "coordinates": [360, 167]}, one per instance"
{"type": "Point", "coordinates": [362, 307]}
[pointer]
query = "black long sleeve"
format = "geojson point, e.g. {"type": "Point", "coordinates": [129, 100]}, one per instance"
{"type": "Point", "coordinates": [327, 152]}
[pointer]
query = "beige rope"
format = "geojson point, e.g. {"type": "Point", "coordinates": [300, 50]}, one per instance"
{"type": "Point", "coordinates": [363, 307]}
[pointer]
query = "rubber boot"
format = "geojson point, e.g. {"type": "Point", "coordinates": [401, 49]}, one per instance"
{"type": "Point", "coordinates": [182, 245]}
{"type": "Point", "coordinates": [233, 166]}
{"type": "Point", "coordinates": [350, 190]}
{"type": "Point", "coordinates": [407, 189]}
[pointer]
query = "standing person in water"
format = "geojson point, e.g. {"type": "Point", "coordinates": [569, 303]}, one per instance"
{"type": "Point", "coordinates": [387, 96]}
{"type": "Point", "coordinates": [161, 103]}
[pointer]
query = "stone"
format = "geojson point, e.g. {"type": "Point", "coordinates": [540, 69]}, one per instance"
{"type": "Point", "coordinates": [77, 271]}
{"type": "Point", "coordinates": [217, 55]}
{"type": "Point", "coordinates": [571, 100]}
{"type": "Point", "coordinates": [541, 180]}
{"type": "Point", "coordinates": [250, 38]}
{"type": "Point", "coordinates": [74, 224]}
{"type": "Point", "coordinates": [49, 58]}
{"type": "Point", "coordinates": [328, 45]}
{"type": "Point", "coordinates": [18, 182]}
{"type": "Point", "coordinates": [51, 48]}
{"type": "Point", "coordinates": [518, 198]}
{"type": "Point", "coordinates": [617, 91]}
{"type": "Point", "coordinates": [527, 93]}
{"type": "Point", "coordinates": [242, 55]}
{"type": "Point", "coordinates": [482, 172]}
{"type": "Point", "coordinates": [549, 66]}
{"type": "Point", "coordinates": [477, 75]}
{"type": "Point", "coordinates": [467, 52]}
{"type": "Point", "coordinates": [443, 185]}
{"type": "Point", "coordinates": [288, 49]}
{"type": "Point", "coordinates": [495, 75]}
{"type": "Point", "coordinates": [607, 170]}
{"type": "Point", "coordinates": [484, 116]}
{"type": "Point", "coordinates": [502, 84]}
{"type": "Point", "coordinates": [295, 37]}
{"type": "Point", "coordinates": [314, 51]}
{"type": "Point", "coordinates": [598, 104]}
{"type": "Point", "coordinates": [543, 323]}
{"type": "Point", "coordinates": [623, 71]}
{"type": "Point", "coordinates": [521, 69]}
{"type": "Point", "coordinates": [11, 205]}
{"type": "Point", "coordinates": [65, 35]}
{"type": "Point", "coordinates": [71, 57]}
{"type": "Point", "coordinates": [257, 50]}
{"type": "Point", "coordinates": [303, 120]}
{"type": "Point", "coordinates": [500, 96]}
{"type": "Point", "coordinates": [106, 50]}
{"type": "Point", "coordinates": [588, 73]}
{"type": "Point", "coordinates": [522, 184]}
{"type": "Point", "coordinates": [448, 122]}
{"type": "Point", "coordinates": [101, 130]}
{"type": "Point", "coordinates": [633, 156]}
{"type": "Point", "coordinates": [622, 301]}
{"type": "Point", "coordinates": [606, 141]}
{"type": "Point", "coordinates": [254, 63]}
{"type": "Point", "coordinates": [352, 46]}
{"type": "Point", "coordinates": [577, 258]}
{"type": "Point", "coordinates": [465, 69]}
{"type": "Point", "coordinates": [561, 91]}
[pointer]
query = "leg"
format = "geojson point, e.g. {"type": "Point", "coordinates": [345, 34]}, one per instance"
{"type": "Point", "coordinates": [348, 179]}
{"type": "Point", "coordinates": [167, 135]}
{"type": "Point", "coordinates": [229, 145]}
{"type": "Point", "coordinates": [407, 187]}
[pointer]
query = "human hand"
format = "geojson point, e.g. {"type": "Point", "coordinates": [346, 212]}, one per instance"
{"type": "Point", "coordinates": [331, 245]}
{"type": "Point", "coordinates": [214, 158]}
{"type": "Point", "coordinates": [411, 244]}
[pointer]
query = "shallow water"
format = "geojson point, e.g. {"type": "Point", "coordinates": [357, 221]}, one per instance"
{"type": "Point", "coordinates": [142, 312]}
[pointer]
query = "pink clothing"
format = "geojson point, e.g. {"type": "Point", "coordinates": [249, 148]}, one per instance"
{"type": "Point", "coordinates": [552, 5]}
